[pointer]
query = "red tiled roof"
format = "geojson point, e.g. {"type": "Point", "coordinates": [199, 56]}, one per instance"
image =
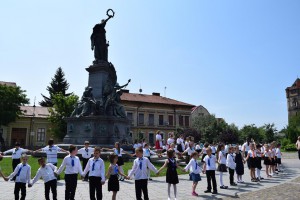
{"type": "Point", "coordinates": [8, 83]}
{"type": "Point", "coordinates": [152, 99]}
{"type": "Point", "coordinates": [38, 111]}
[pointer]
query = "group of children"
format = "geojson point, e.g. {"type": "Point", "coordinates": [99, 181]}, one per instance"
{"type": "Point", "coordinates": [233, 160]}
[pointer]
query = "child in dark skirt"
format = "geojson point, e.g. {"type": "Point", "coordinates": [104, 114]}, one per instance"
{"type": "Point", "coordinates": [267, 160]}
{"type": "Point", "coordinates": [119, 151]}
{"type": "Point", "coordinates": [251, 156]}
{"type": "Point", "coordinates": [222, 164]}
{"type": "Point", "coordinates": [112, 175]}
{"type": "Point", "coordinates": [239, 160]}
{"type": "Point", "coordinates": [171, 175]}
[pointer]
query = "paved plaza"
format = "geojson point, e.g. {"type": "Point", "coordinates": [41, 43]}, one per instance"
{"type": "Point", "coordinates": [286, 185]}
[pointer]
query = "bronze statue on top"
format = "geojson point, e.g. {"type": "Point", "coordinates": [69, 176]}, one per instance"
{"type": "Point", "coordinates": [98, 39]}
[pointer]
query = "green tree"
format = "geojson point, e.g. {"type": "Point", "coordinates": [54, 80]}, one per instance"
{"type": "Point", "coordinates": [11, 98]}
{"type": "Point", "coordinates": [58, 85]}
{"type": "Point", "coordinates": [270, 131]}
{"type": "Point", "coordinates": [293, 129]}
{"type": "Point", "coordinates": [252, 131]}
{"type": "Point", "coordinates": [63, 106]}
{"type": "Point", "coordinates": [230, 134]}
{"type": "Point", "coordinates": [209, 127]}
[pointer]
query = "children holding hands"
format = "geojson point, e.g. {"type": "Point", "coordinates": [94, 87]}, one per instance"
{"type": "Point", "coordinates": [171, 175]}
{"type": "Point", "coordinates": [72, 166]}
{"type": "Point", "coordinates": [140, 172]}
{"type": "Point", "coordinates": [96, 169]}
{"type": "Point", "coordinates": [22, 174]}
{"type": "Point", "coordinates": [112, 175]}
{"type": "Point", "coordinates": [195, 171]}
{"type": "Point", "coordinates": [46, 172]}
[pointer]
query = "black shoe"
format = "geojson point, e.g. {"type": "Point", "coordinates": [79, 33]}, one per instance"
{"type": "Point", "coordinates": [224, 187]}
{"type": "Point", "coordinates": [207, 191]}
{"type": "Point", "coordinates": [150, 179]}
{"type": "Point", "coordinates": [215, 192]}
{"type": "Point", "coordinates": [121, 179]}
{"type": "Point", "coordinates": [261, 178]}
{"type": "Point", "coordinates": [233, 184]}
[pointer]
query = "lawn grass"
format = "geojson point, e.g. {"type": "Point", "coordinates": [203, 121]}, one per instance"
{"type": "Point", "coordinates": [6, 167]}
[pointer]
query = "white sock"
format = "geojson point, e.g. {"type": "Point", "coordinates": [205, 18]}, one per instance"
{"type": "Point", "coordinates": [121, 170]}
{"type": "Point", "coordinates": [258, 173]}
{"type": "Point", "coordinates": [241, 179]}
{"type": "Point", "coordinates": [221, 179]}
{"type": "Point", "coordinates": [175, 190]}
{"type": "Point", "coordinates": [169, 190]}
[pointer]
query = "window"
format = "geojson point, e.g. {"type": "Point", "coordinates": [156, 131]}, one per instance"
{"type": "Point", "coordinates": [40, 135]}
{"type": "Point", "coordinates": [171, 120]}
{"type": "Point", "coordinates": [151, 138]}
{"type": "Point", "coordinates": [141, 118]}
{"type": "Point", "coordinates": [130, 116]}
{"type": "Point", "coordinates": [180, 120]}
{"type": "Point", "coordinates": [187, 121]}
{"type": "Point", "coordinates": [151, 119]}
{"type": "Point", "coordinates": [160, 120]}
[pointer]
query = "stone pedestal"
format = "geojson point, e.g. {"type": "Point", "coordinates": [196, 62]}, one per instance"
{"type": "Point", "coordinates": [98, 75]}
{"type": "Point", "coordinates": [100, 130]}
{"type": "Point", "coordinates": [94, 118]}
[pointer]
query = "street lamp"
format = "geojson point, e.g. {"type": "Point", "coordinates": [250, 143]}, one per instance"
{"type": "Point", "coordinates": [31, 137]}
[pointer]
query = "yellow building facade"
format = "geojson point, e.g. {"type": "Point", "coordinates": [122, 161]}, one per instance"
{"type": "Point", "coordinates": [30, 130]}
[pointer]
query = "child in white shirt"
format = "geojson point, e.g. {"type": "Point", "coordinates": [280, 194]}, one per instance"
{"type": "Point", "coordinates": [140, 172]}
{"type": "Point", "coordinates": [230, 162]}
{"type": "Point", "coordinates": [73, 167]}
{"type": "Point", "coordinates": [278, 155]}
{"type": "Point", "coordinates": [46, 171]}
{"type": "Point", "coordinates": [222, 164]}
{"type": "Point", "coordinates": [22, 174]}
{"type": "Point", "coordinates": [209, 168]}
{"type": "Point", "coordinates": [195, 170]}
{"type": "Point", "coordinates": [147, 153]}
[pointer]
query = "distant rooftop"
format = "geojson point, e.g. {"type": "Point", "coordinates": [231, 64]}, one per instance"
{"type": "Point", "coordinates": [38, 111]}
{"type": "Point", "coordinates": [8, 83]}
{"type": "Point", "coordinates": [155, 98]}
{"type": "Point", "coordinates": [296, 84]}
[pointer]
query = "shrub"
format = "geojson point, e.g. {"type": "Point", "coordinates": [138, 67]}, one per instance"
{"type": "Point", "coordinates": [285, 141]}
{"type": "Point", "coordinates": [290, 147]}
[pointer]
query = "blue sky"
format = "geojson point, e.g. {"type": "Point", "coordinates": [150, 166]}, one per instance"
{"type": "Point", "coordinates": [234, 57]}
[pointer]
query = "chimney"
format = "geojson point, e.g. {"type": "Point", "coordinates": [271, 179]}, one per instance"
{"type": "Point", "coordinates": [156, 94]}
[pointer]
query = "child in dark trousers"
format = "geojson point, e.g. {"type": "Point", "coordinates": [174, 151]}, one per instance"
{"type": "Point", "coordinates": [230, 162]}
{"type": "Point", "coordinates": [22, 174]}
{"type": "Point", "coordinates": [140, 172]}
{"type": "Point", "coordinates": [72, 166]}
{"type": "Point", "coordinates": [46, 171]}
{"type": "Point", "coordinates": [209, 168]}
{"type": "Point", "coordinates": [96, 170]}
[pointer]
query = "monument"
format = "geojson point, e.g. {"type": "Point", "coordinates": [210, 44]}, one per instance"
{"type": "Point", "coordinates": [99, 116]}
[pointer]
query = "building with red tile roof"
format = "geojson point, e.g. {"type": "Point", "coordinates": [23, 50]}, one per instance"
{"type": "Point", "coordinates": [150, 113]}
